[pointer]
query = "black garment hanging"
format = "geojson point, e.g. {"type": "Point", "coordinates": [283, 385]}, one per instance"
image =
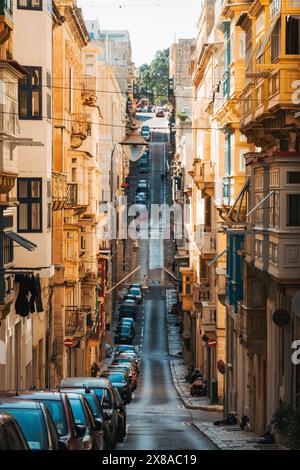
{"type": "Point", "coordinates": [29, 298]}
{"type": "Point", "coordinates": [22, 300]}
{"type": "Point", "coordinates": [35, 301]}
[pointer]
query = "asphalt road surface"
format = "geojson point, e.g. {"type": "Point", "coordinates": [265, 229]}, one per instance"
{"type": "Point", "coordinates": [157, 418]}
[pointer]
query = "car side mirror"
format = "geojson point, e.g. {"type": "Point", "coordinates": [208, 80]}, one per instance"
{"type": "Point", "coordinates": [62, 445]}
{"type": "Point", "coordinates": [98, 424]}
{"type": "Point", "coordinates": [80, 430]}
{"type": "Point", "coordinates": [107, 415]}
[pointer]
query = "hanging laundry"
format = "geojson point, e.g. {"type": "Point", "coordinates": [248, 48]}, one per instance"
{"type": "Point", "coordinates": [29, 299]}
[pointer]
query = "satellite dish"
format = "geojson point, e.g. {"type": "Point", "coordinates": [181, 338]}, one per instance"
{"type": "Point", "coordinates": [281, 317]}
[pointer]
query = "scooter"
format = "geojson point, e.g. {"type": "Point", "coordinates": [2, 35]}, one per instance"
{"type": "Point", "coordinates": [199, 388]}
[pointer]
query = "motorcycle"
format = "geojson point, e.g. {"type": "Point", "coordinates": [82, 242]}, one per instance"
{"type": "Point", "coordinates": [199, 388]}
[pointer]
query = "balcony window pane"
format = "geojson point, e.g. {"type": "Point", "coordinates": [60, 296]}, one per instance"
{"type": "Point", "coordinates": [35, 103]}
{"type": "Point", "coordinates": [293, 177]}
{"type": "Point", "coordinates": [293, 210]}
{"type": "Point", "coordinates": [35, 189]}
{"type": "Point", "coordinates": [23, 103]}
{"type": "Point", "coordinates": [292, 35]}
{"type": "Point", "coordinates": [23, 188]}
{"type": "Point", "coordinates": [35, 216]}
{"type": "Point", "coordinates": [275, 41]}
{"type": "Point", "coordinates": [23, 217]}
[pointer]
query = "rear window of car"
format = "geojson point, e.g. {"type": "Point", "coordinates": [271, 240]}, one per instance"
{"type": "Point", "coordinates": [57, 412]}
{"type": "Point", "coordinates": [135, 291]}
{"type": "Point", "coordinates": [78, 411]}
{"type": "Point", "coordinates": [117, 378]}
{"type": "Point", "coordinates": [32, 424]}
{"type": "Point", "coordinates": [103, 392]}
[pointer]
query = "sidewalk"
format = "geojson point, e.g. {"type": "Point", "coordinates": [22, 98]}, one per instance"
{"type": "Point", "coordinates": [232, 437]}
{"type": "Point", "coordinates": [178, 371]}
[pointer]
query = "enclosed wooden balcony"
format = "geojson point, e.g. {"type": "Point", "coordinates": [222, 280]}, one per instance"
{"type": "Point", "coordinates": [72, 195]}
{"type": "Point", "coordinates": [203, 174]}
{"type": "Point", "coordinates": [252, 328]}
{"type": "Point", "coordinates": [76, 320]}
{"type": "Point", "coordinates": [208, 317]}
{"type": "Point", "coordinates": [59, 190]}
{"type": "Point", "coordinates": [200, 293]}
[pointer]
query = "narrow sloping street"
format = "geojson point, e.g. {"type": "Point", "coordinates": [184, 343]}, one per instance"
{"type": "Point", "coordinates": [157, 418]}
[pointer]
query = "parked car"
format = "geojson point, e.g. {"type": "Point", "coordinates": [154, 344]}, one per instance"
{"type": "Point", "coordinates": [124, 334]}
{"type": "Point", "coordinates": [128, 323]}
{"type": "Point", "coordinates": [103, 389]}
{"type": "Point", "coordinates": [59, 407]}
{"type": "Point", "coordinates": [132, 357]}
{"type": "Point", "coordinates": [93, 438]}
{"type": "Point", "coordinates": [160, 114]}
{"type": "Point", "coordinates": [129, 297]}
{"type": "Point", "coordinates": [127, 320]}
{"type": "Point", "coordinates": [140, 198]}
{"type": "Point", "coordinates": [128, 368]}
{"type": "Point", "coordinates": [143, 166]}
{"type": "Point", "coordinates": [96, 406]}
{"type": "Point", "coordinates": [119, 381]}
{"type": "Point", "coordinates": [11, 435]}
{"type": "Point", "coordinates": [128, 308]}
{"type": "Point", "coordinates": [125, 347]}
{"type": "Point", "coordinates": [142, 188]}
{"type": "Point", "coordinates": [35, 422]}
{"type": "Point", "coordinates": [146, 134]}
{"type": "Point", "coordinates": [122, 415]}
{"type": "Point", "coordinates": [137, 293]}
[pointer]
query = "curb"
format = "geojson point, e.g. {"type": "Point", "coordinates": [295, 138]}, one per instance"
{"type": "Point", "coordinates": [212, 408]}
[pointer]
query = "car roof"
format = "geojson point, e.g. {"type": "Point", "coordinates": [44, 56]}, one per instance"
{"type": "Point", "coordinates": [24, 404]}
{"type": "Point", "coordinates": [41, 395]}
{"type": "Point", "coordinates": [80, 382]}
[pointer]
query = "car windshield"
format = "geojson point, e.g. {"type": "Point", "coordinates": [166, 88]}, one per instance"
{"type": "Point", "coordinates": [57, 412]}
{"type": "Point", "coordinates": [92, 401]}
{"type": "Point", "coordinates": [103, 392]}
{"type": "Point", "coordinates": [78, 411]}
{"type": "Point", "coordinates": [33, 426]}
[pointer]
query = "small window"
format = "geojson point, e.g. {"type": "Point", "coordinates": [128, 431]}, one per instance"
{"type": "Point", "coordinates": [292, 35]}
{"type": "Point", "coordinates": [49, 114]}
{"type": "Point", "coordinates": [30, 5]}
{"type": "Point", "coordinates": [30, 94]}
{"type": "Point", "coordinates": [30, 205]}
{"type": "Point", "coordinates": [293, 210]}
{"type": "Point", "coordinates": [293, 177]}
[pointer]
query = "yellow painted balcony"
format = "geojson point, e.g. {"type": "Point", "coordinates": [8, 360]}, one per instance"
{"type": "Point", "coordinates": [248, 107]}
{"type": "Point", "coordinates": [281, 87]}
{"type": "Point", "coordinates": [59, 190]}
{"type": "Point", "coordinates": [187, 293]}
{"type": "Point", "coordinates": [204, 174]}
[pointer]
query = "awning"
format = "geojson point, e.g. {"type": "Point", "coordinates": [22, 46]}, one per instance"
{"type": "Point", "coordinates": [24, 242]}
{"type": "Point", "coordinates": [171, 274]}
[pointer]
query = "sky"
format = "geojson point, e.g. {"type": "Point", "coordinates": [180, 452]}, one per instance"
{"type": "Point", "coordinates": [152, 24]}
